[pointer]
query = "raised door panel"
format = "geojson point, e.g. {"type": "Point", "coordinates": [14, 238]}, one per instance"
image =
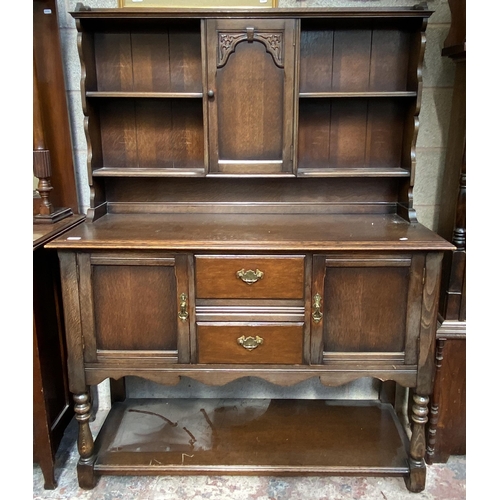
{"type": "Point", "coordinates": [366, 308]}
{"type": "Point", "coordinates": [250, 96]}
{"type": "Point", "coordinates": [130, 306]}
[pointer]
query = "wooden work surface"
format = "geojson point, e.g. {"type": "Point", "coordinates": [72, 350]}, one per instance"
{"type": "Point", "coordinates": [298, 232]}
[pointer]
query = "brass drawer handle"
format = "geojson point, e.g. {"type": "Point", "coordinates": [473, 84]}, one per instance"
{"type": "Point", "coordinates": [250, 276]}
{"type": "Point", "coordinates": [183, 313]}
{"type": "Point", "coordinates": [317, 314]}
{"type": "Point", "coordinates": [250, 343]}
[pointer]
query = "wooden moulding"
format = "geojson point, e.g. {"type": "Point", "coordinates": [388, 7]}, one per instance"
{"type": "Point", "coordinates": [251, 437]}
{"type": "Point", "coordinates": [220, 374]}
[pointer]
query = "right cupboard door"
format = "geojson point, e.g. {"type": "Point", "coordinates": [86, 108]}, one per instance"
{"type": "Point", "coordinates": [366, 308]}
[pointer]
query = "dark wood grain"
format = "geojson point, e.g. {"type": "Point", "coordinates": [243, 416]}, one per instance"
{"type": "Point", "coordinates": [51, 398]}
{"type": "Point", "coordinates": [54, 108]}
{"type": "Point", "coordinates": [216, 277]}
{"type": "Point", "coordinates": [166, 59]}
{"type": "Point", "coordinates": [256, 438]}
{"type": "Point", "coordinates": [276, 149]}
{"type": "Point", "coordinates": [281, 343]}
{"type": "Point", "coordinates": [360, 313]}
{"type": "Point", "coordinates": [251, 109]}
{"type": "Point", "coordinates": [447, 429]}
{"type": "Point", "coordinates": [447, 423]}
{"type": "Point", "coordinates": [359, 194]}
{"type": "Point", "coordinates": [258, 232]}
{"type": "Point", "coordinates": [351, 133]}
{"type": "Point", "coordinates": [152, 133]}
{"type": "Point", "coordinates": [400, 13]}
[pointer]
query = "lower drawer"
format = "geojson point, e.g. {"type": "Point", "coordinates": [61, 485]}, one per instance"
{"type": "Point", "coordinates": [250, 343]}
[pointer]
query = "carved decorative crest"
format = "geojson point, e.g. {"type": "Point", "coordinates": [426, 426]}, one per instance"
{"type": "Point", "coordinates": [273, 41]}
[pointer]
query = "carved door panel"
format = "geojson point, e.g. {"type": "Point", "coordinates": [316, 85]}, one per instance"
{"type": "Point", "coordinates": [134, 305]}
{"type": "Point", "coordinates": [366, 308]}
{"type": "Point", "coordinates": [250, 96]}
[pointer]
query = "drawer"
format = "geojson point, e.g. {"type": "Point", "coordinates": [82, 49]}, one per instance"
{"type": "Point", "coordinates": [255, 343]}
{"type": "Point", "coordinates": [249, 277]}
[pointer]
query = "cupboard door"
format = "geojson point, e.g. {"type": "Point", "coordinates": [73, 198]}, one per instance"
{"type": "Point", "coordinates": [250, 95]}
{"type": "Point", "coordinates": [366, 308]}
{"type": "Point", "coordinates": [134, 306]}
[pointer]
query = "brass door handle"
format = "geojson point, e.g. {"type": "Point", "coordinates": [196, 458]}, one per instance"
{"type": "Point", "coordinates": [183, 313]}
{"type": "Point", "coordinates": [317, 314]}
{"type": "Point", "coordinates": [250, 343]}
{"type": "Point", "coordinates": [250, 276]}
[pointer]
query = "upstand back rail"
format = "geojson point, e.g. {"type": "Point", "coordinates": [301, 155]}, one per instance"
{"type": "Point", "coordinates": [251, 214]}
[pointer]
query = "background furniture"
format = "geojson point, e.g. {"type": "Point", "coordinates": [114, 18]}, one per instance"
{"type": "Point", "coordinates": [51, 398]}
{"type": "Point", "coordinates": [52, 102]}
{"type": "Point", "coordinates": [447, 423]}
{"type": "Point", "coordinates": [53, 161]}
{"type": "Point", "coordinates": [251, 215]}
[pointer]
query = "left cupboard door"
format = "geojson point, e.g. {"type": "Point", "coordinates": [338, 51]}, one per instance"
{"type": "Point", "coordinates": [135, 306]}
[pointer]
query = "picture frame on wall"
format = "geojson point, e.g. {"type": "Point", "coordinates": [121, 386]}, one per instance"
{"type": "Point", "coordinates": [248, 4]}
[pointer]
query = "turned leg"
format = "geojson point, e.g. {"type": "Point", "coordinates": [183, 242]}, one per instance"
{"type": "Point", "coordinates": [85, 468]}
{"type": "Point", "coordinates": [434, 411]}
{"type": "Point", "coordinates": [416, 480]}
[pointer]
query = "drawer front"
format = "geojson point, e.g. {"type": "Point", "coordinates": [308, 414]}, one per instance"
{"type": "Point", "coordinates": [270, 343]}
{"type": "Point", "coordinates": [262, 277]}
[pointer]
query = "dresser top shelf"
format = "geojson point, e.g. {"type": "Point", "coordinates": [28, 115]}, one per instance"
{"type": "Point", "coordinates": [252, 232]}
{"type": "Point", "coordinates": [234, 13]}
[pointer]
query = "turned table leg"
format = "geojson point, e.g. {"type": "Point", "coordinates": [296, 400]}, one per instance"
{"type": "Point", "coordinates": [416, 480]}
{"type": "Point", "coordinates": [83, 411]}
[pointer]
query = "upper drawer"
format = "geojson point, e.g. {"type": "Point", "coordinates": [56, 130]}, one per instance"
{"type": "Point", "coordinates": [249, 277]}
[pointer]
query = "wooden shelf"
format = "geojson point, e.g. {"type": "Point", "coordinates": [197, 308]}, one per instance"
{"type": "Point", "coordinates": [357, 94]}
{"type": "Point", "coordinates": [149, 172]}
{"type": "Point", "coordinates": [259, 436]}
{"type": "Point", "coordinates": [352, 172]}
{"type": "Point", "coordinates": [145, 95]}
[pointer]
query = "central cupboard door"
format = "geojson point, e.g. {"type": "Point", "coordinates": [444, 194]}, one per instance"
{"type": "Point", "coordinates": [250, 96]}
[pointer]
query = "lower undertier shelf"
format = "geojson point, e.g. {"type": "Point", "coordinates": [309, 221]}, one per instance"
{"type": "Point", "coordinates": [251, 437]}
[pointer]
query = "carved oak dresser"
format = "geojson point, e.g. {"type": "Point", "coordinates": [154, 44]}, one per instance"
{"type": "Point", "coordinates": [251, 215]}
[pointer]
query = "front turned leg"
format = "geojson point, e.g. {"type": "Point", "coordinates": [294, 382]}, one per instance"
{"type": "Point", "coordinates": [85, 468]}
{"type": "Point", "coordinates": [415, 482]}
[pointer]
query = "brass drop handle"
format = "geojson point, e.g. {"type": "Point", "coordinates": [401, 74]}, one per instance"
{"type": "Point", "coordinates": [250, 276]}
{"type": "Point", "coordinates": [183, 313]}
{"type": "Point", "coordinates": [317, 314]}
{"type": "Point", "coordinates": [250, 343]}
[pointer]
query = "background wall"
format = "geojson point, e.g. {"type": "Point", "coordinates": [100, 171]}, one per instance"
{"type": "Point", "coordinates": [438, 76]}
